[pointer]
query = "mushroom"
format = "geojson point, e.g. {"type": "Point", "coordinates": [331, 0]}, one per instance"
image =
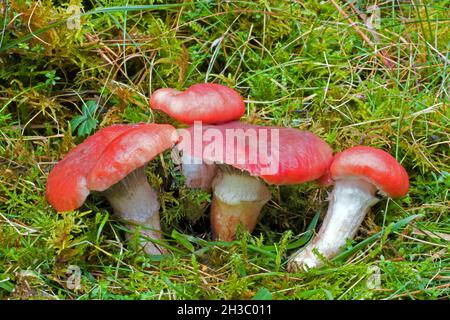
{"type": "Point", "coordinates": [247, 157]}
{"type": "Point", "coordinates": [358, 172]}
{"type": "Point", "coordinates": [198, 174]}
{"type": "Point", "coordinates": [207, 102]}
{"type": "Point", "coordinates": [112, 162]}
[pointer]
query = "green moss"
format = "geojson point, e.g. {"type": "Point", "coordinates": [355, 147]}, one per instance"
{"type": "Point", "coordinates": [299, 64]}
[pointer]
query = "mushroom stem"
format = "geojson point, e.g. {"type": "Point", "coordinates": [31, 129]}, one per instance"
{"type": "Point", "coordinates": [349, 203]}
{"type": "Point", "coordinates": [136, 202]}
{"type": "Point", "coordinates": [237, 199]}
{"type": "Point", "coordinates": [198, 173]}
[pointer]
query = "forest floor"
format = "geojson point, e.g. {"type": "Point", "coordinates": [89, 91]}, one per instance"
{"type": "Point", "coordinates": [354, 73]}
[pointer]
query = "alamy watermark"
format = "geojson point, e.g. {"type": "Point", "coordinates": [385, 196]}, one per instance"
{"type": "Point", "coordinates": [245, 146]}
{"type": "Point", "coordinates": [74, 277]}
{"type": "Point", "coordinates": [374, 279]}
{"type": "Point", "coordinates": [74, 22]}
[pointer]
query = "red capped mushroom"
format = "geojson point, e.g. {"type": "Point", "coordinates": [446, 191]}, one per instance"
{"type": "Point", "coordinates": [358, 172]}
{"type": "Point", "coordinates": [258, 154]}
{"type": "Point", "coordinates": [198, 174]}
{"type": "Point", "coordinates": [210, 103]}
{"type": "Point", "coordinates": [112, 162]}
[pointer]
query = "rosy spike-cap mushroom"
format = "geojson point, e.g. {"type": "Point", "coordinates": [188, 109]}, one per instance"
{"type": "Point", "coordinates": [209, 103]}
{"type": "Point", "coordinates": [259, 155]}
{"type": "Point", "coordinates": [112, 162]}
{"type": "Point", "coordinates": [198, 174]}
{"type": "Point", "coordinates": [358, 172]}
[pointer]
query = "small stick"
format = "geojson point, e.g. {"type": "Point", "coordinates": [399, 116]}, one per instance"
{"type": "Point", "coordinates": [386, 61]}
{"type": "Point", "coordinates": [375, 35]}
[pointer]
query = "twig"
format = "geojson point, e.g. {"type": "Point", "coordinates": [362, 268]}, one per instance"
{"type": "Point", "coordinates": [375, 35]}
{"type": "Point", "coordinates": [419, 291]}
{"type": "Point", "coordinates": [386, 61]}
{"type": "Point", "coordinates": [436, 235]}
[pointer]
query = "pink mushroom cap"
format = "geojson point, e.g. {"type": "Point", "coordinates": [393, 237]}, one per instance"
{"type": "Point", "coordinates": [299, 156]}
{"type": "Point", "coordinates": [104, 159]}
{"type": "Point", "coordinates": [374, 166]}
{"type": "Point", "coordinates": [207, 102]}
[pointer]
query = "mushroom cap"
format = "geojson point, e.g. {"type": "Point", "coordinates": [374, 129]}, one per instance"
{"type": "Point", "coordinates": [374, 166]}
{"type": "Point", "coordinates": [295, 157]}
{"type": "Point", "coordinates": [103, 159]}
{"type": "Point", "coordinates": [207, 102]}
{"type": "Point", "coordinates": [326, 180]}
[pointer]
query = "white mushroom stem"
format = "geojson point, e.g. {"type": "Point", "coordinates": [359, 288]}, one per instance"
{"type": "Point", "coordinates": [237, 200]}
{"type": "Point", "coordinates": [198, 173]}
{"type": "Point", "coordinates": [349, 203]}
{"type": "Point", "coordinates": [135, 201]}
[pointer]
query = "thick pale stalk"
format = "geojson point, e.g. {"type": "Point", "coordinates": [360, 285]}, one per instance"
{"type": "Point", "coordinates": [135, 201]}
{"type": "Point", "coordinates": [198, 173]}
{"type": "Point", "coordinates": [237, 200]}
{"type": "Point", "coordinates": [349, 203]}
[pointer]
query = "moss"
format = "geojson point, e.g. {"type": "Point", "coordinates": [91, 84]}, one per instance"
{"type": "Point", "coordinates": [298, 64]}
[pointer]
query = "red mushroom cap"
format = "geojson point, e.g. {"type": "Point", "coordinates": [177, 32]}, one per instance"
{"type": "Point", "coordinates": [326, 180]}
{"type": "Point", "coordinates": [300, 156]}
{"type": "Point", "coordinates": [206, 102]}
{"type": "Point", "coordinates": [128, 152]}
{"type": "Point", "coordinates": [103, 159]}
{"type": "Point", "coordinates": [372, 165]}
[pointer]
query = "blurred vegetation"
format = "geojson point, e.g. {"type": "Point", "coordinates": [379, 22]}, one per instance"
{"type": "Point", "coordinates": [327, 67]}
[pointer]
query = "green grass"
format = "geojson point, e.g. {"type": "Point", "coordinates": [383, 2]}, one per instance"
{"type": "Point", "coordinates": [297, 63]}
